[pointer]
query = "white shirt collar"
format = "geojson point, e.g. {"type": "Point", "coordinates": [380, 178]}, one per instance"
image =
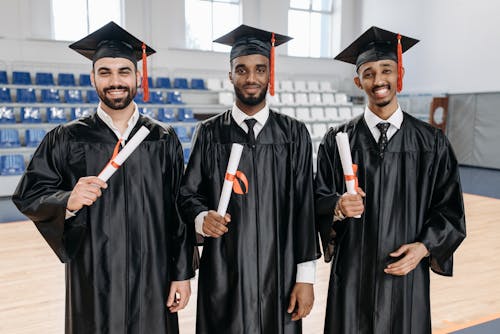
{"type": "Point", "coordinates": [109, 122]}
{"type": "Point", "coordinates": [239, 116]}
{"type": "Point", "coordinates": [372, 119]}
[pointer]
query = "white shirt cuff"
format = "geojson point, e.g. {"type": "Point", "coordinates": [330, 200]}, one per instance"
{"type": "Point", "coordinates": [198, 223]}
{"type": "Point", "coordinates": [69, 214]}
{"type": "Point", "coordinates": [306, 272]}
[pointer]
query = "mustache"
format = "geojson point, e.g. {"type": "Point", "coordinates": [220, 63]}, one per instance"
{"type": "Point", "coordinates": [115, 87]}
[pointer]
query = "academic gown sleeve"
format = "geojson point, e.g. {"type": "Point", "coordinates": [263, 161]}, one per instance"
{"type": "Point", "coordinates": [444, 228]}
{"type": "Point", "coordinates": [193, 193]}
{"type": "Point", "coordinates": [327, 192]}
{"type": "Point", "coordinates": [304, 200]}
{"type": "Point", "coordinates": [185, 255]}
{"type": "Point", "coordinates": [42, 195]}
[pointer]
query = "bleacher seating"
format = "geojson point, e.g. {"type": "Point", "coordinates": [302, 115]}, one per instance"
{"type": "Point", "coordinates": [187, 153]}
{"type": "Point", "coordinates": [226, 98]}
{"type": "Point", "coordinates": [328, 98]}
{"type": "Point", "coordinates": [157, 97]}
{"type": "Point", "coordinates": [303, 114]}
{"type": "Point", "coordinates": [174, 98]}
{"type": "Point", "coordinates": [331, 114]}
{"type": "Point", "coordinates": [341, 98]}
{"type": "Point", "coordinates": [21, 78]}
{"type": "Point", "coordinates": [7, 115]}
{"type": "Point", "coordinates": [214, 84]}
{"type": "Point", "coordinates": [300, 86]}
{"type": "Point", "coordinates": [31, 115]}
{"type": "Point", "coordinates": [33, 137]}
{"type": "Point", "coordinates": [182, 134]}
{"type": "Point", "coordinates": [166, 115]}
{"type": "Point", "coordinates": [56, 115]}
{"type": "Point", "coordinates": [3, 77]}
{"type": "Point", "coordinates": [26, 95]}
{"type": "Point", "coordinates": [92, 96]}
{"type": "Point", "coordinates": [84, 80]}
{"type": "Point", "coordinates": [44, 79]}
{"type": "Point", "coordinates": [288, 111]}
{"type": "Point", "coordinates": [326, 87]}
{"type": "Point", "coordinates": [80, 112]}
{"type": "Point", "coordinates": [9, 138]}
{"type": "Point", "coordinates": [315, 99]}
{"type": "Point", "coordinates": [287, 99]}
{"type": "Point", "coordinates": [227, 85]}
{"type": "Point", "coordinates": [319, 130]}
{"type": "Point", "coordinates": [197, 83]}
{"type": "Point", "coordinates": [149, 112]}
{"type": "Point", "coordinates": [11, 164]}
{"type": "Point", "coordinates": [301, 99]}
{"type": "Point", "coordinates": [313, 86]}
{"type": "Point", "coordinates": [317, 114]}
{"type": "Point", "coordinates": [73, 96]}
{"type": "Point", "coordinates": [5, 95]}
{"type": "Point", "coordinates": [50, 95]}
{"type": "Point", "coordinates": [286, 86]}
{"type": "Point", "coordinates": [186, 115]}
{"type": "Point", "coordinates": [163, 82]}
{"type": "Point", "coordinates": [181, 83]}
{"type": "Point", "coordinates": [66, 79]}
{"type": "Point", "coordinates": [345, 113]}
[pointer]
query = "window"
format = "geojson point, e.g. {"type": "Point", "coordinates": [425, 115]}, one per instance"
{"type": "Point", "coordinates": [310, 23]}
{"type": "Point", "coordinates": [77, 18]}
{"type": "Point", "coordinates": [207, 20]}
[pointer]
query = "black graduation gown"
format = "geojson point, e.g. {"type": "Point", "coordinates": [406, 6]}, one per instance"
{"type": "Point", "coordinates": [122, 252]}
{"type": "Point", "coordinates": [246, 276]}
{"type": "Point", "coordinates": [412, 194]}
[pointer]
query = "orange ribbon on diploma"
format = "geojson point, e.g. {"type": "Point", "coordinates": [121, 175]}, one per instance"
{"type": "Point", "coordinates": [231, 179]}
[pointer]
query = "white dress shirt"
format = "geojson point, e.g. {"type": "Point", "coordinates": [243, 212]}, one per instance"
{"type": "Point", "coordinates": [306, 271]}
{"type": "Point", "coordinates": [372, 120]}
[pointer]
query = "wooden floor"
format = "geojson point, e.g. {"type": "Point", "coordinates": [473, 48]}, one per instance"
{"type": "Point", "coordinates": [32, 280]}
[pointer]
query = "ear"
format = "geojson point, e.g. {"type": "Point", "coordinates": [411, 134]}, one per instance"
{"type": "Point", "coordinates": [230, 75]}
{"type": "Point", "coordinates": [357, 82]}
{"type": "Point", "coordinates": [138, 78]}
{"type": "Point", "coordinates": [92, 78]}
{"type": "Point", "coordinates": [402, 72]}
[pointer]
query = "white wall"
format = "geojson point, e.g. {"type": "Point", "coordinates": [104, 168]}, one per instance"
{"type": "Point", "coordinates": [459, 42]}
{"type": "Point", "coordinates": [25, 44]}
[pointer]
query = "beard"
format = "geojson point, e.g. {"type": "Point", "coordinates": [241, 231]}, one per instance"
{"type": "Point", "coordinates": [386, 102]}
{"type": "Point", "coordinates": [251, 100]}
{"type": "Point", "coordinates": [118, 103]}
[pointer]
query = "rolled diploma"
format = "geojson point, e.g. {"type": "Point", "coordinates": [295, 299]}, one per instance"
{"type": "Point", "coordinates": [127, 150]}
{"type": "Point", "coordinates": [346, 160]}
{"type": "Point", "coordinates": [232, 166]}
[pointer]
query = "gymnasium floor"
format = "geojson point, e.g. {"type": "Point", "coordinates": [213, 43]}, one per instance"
{"type": "Point", "coordinates": [32, 281]}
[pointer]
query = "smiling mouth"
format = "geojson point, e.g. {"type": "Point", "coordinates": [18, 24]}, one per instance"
{"type": "Point", "coordinates": [381, 91]}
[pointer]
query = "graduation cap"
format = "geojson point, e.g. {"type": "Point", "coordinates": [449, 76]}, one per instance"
{"type": "Point", "coordinates": [378, 44]}
{"type": "Point", "coordinates": [113, 41]}
{"type": "Point", "coordinates": [246, 40]}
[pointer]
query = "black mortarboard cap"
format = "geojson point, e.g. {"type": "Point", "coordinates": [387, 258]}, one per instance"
{"type": "Point", "coordinates": [377, 44]}
{"type": "Point", "coordinates": [113, 41]}
{"type": "Point", "coordinates": [246, 40]}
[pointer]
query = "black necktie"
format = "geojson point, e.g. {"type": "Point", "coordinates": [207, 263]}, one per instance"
{"type": "Point", "coordinates": [251, 135]}
{"type": "Point", "coordinates": [382, 140]}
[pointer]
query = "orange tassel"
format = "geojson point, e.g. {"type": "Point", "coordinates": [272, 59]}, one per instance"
{"type": "Point", "coordinates": [145, 84]}
{"type": "Point", "coordinates": [271, 66]}
{"type": "Point", "coordinates": [400, 65]}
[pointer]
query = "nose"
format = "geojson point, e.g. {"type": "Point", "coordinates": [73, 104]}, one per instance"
{"type": "Point", "coordinates": [251, 77]}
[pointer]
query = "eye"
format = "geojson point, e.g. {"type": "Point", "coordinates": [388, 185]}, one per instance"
{"type": "Point", "coordinates": [240, 70]}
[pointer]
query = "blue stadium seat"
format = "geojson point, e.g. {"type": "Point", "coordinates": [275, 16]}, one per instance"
{"type": "Point", "coordinates": [3, 77]}
{"type": "Point", "coordinates": [198, 83]}
{"type": "Point", "coordinates": [21, 78]}
{"type": "Point", "coordinates": [11, 164]}
{"type": "Point", "coordinates": [66, 79]}
{"type": "Point", "coordinates": [92, 96]}
{"type": "Point", "coordinates": [186, 115]}
{"type": "Point", "coordinates": [7, 115]}
{"type": "Point", "coordinates": [81, 112]}
{"type": "Point", "coordinates": [26, 95]}
{"type": "Point", "coordinates": [166, 115]}
{"type": "Point", "coordinates": [5, 95]}
{"type": "Point", "coordinates": [73, 96]}
{"type": "Point", "coordinates": [163, 82]}
{"type": "Point", "coordinates": [33, 137]}
{"type": "Point", "coordinates": [56, 115]}
{"type": "Point", "coordinates": [174, 98]}
{"type": "Point", "coordinates": [146, 111]}
{"type": "Point", "coordinates": [157, 97]}
{"type": "Point", "coordinates": [31, 115]}
{"type": "Point", "coordinates": [44, 79]}
{"type": "Point", "coordinates": [187, 152]}
{"type": "Point", "coordinates": [85, 80]}
{"type": "Point", "coordinates": [139, 96]}
{"type": "Point", "coordinates": [182, 133]}
{"type": "Point", "coordinates": [150, 82]}
{"type": "Point", "coordinates": [9, 138]}
{"type": "Point", "coordinates": [181, 83]}
{"type": "Point", "coordinates": [50, 95]}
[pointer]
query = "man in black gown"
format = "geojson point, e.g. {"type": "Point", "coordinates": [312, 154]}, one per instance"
{"type": "Point", "coordinates": [410, 202]}
{"type": "Point", "coordinates": [126, 250]}
{"type": "Point", "coordinates": [257, 265]}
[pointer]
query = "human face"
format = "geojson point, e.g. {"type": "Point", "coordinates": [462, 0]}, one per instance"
{"type": "Point", "coordinates": [116, 81]}
{"type": "Point", "coordinates": [250, 77]}
{"type": "Point", "coordinates": [379, 81]}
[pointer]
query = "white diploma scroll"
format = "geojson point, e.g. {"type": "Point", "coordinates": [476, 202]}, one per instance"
{"type": "Point", "coordinates": [127, 150]}
{"type": "Point", "coordinates": [232, 166]}
{"type": "Point", "coordinates": [346, 160]}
